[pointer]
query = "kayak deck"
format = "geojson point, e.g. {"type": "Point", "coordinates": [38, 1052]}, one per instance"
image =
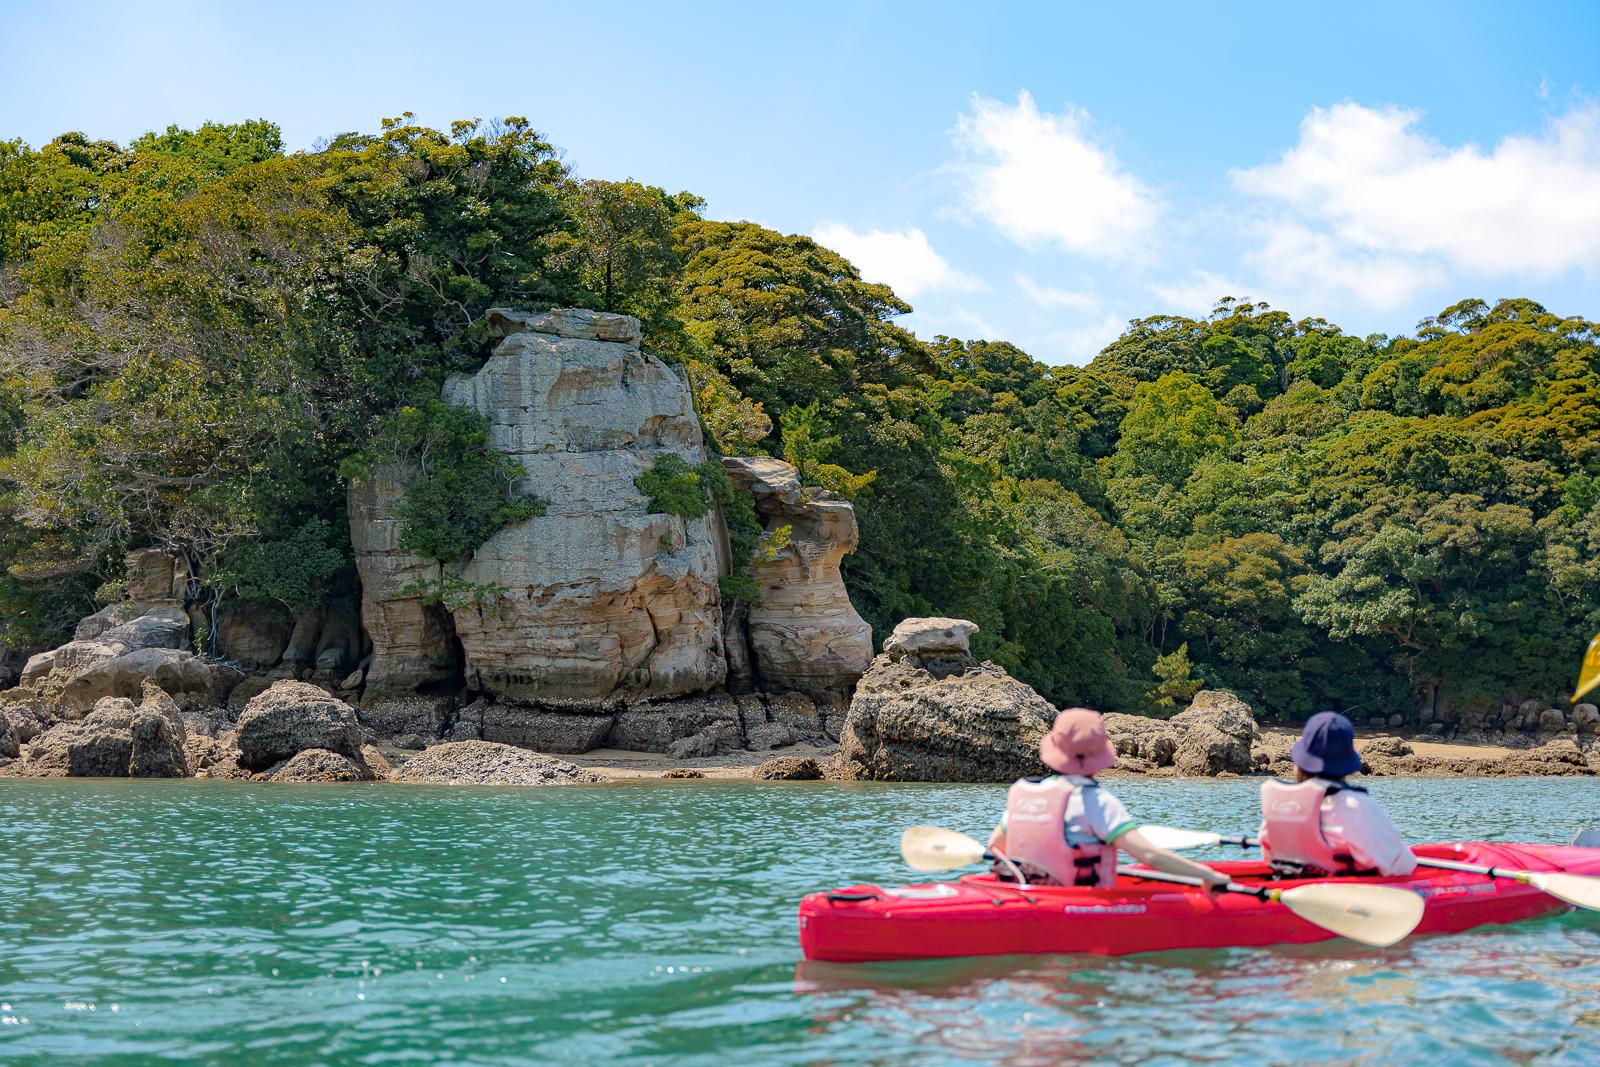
{"type": "Point", "coordinates": [980, 915]}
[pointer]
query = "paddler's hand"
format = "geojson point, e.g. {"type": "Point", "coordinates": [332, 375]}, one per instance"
{"type": "Point", "coordinates": [1216, 881]}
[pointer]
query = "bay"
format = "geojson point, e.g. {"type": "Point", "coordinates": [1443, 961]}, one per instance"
{"type": "Point", "coordinates": [192, 921]}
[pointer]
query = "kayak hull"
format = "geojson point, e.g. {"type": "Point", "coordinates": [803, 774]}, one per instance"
{"type": "Point", "coordinates": [981, 916]}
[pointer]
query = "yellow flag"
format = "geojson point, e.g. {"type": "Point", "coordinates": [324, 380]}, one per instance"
{"type": "Point", "coordinates": [1589, 673]}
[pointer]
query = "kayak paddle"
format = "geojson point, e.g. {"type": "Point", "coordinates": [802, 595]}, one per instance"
{"type": "Point", "coordinates": [1372, 915]}
{"type": "Point", "coordinates": [1376, 915]}
{"type": "Point", "coordinates": [1579, 890]}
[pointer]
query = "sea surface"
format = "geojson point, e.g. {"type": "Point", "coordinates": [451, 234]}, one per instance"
{"type": "Point", "coordinates": [227, 923]}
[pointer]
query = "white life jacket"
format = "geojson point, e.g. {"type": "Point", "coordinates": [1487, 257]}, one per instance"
{"type": "Point", "coordinates": [1038, 834]}
{"type": "Point", "coordinates": [1293, 818]}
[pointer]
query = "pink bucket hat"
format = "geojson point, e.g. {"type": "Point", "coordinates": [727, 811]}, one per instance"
{"type": "Point", "coordinates": [1077, 743]}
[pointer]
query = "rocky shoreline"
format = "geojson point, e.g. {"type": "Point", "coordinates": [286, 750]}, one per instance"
{"type": "Point", "coordinates": [925, 711]}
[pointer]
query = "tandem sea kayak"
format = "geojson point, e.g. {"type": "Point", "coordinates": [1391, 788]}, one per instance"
{"type": "Point", "coordinates": [982, 916]}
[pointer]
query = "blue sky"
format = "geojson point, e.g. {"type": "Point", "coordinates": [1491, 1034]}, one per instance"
{"type": "Point", "coordinates": [1037, 173]}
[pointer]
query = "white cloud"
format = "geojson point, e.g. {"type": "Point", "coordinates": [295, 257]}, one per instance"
{"type": "Point", "coordinates": [1048, 297]}
{"type": "Point", "coordinates": [1045, 179]}
{"type": "Point", "coordinates": [1197, 295]}
{"type": "Point", "coordinates": [1076, 345]}
{"type": "Point", "coordinates": [1317, 269]}
{"type": "Point", "coordinates": [1368, 187]}
{"type": "Point", "coordinates": [901, 259]}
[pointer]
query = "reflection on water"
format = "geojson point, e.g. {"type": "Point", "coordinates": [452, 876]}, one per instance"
{"type": "Point", "coordinates": [219, 922]}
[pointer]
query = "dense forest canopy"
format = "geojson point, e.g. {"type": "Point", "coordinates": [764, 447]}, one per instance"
{"type": "Point", "coordinates": [202, 336]}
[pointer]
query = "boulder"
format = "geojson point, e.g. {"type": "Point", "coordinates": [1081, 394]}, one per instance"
{"type": "Point", "coordinates": [214, 757]}
{"type": "Point", "coordinates": [717, 739]}
{"type": "Point", "coordinates": [545, 731]}
{"type": "Point", "coordinates": [1138, 737]}
{"type": "Point", "coordinates": [804, 632]}
{"type": "Point", "coordinates": [107, 618]}
{"type": "Point", "coordinates": [1586, 717]}
{"type": "Point", "coordinates": [683, 772]}
{"type": "Point", "coordinates": [1552, 721]}
{"type": "Point", "coordinates": [10, 747]}
{"type": "Point", "coordinates": [598, 596]}
{"type": "Point", "coordinates": [116, 739]}
{"type": "Point", "coordinates": [185, 676]}
{"type": "Point", "coordinates": [769, 735]}
{"type": "Point", "coordinates": [37, 669]}
{"type": "Point", "coordinates": [488, 763]}
{"type": "Point", "coordinates": [930, 637]}
{"type": "Point", "coordinates": [291, 717]}
{"type": "Point", "coordinates": [916, 722]}
{"type": "Point", "coordinates": [247, 690]}
{"type": "Point", "coordinates": [26, 719]}
{"type": "Point", "coordinates": [320, 765]}
{"type": "Point", "coordinates": [788, 769]}
{"type": "Point", "coordinates": [1214, 734]}
{"type": "Point", "coordinates": [1386, 747]}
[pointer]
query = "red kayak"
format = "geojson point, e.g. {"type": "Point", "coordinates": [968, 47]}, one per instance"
{"type": "Point", "coordinates": [982, 916]}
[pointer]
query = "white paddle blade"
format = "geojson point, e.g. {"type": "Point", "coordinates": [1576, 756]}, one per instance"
{"type": "Point", "coordinates": [1175, 840]}
{"type": "Point", "coordinates": [1575, 889]}
{"type": "Point", "coordinates": [933, 848]}
{"type": "Point", "coordinates": [1376, 915]}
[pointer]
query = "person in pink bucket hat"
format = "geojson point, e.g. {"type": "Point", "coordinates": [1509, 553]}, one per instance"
{"type": "Point", "coordinates": [1066, 828]}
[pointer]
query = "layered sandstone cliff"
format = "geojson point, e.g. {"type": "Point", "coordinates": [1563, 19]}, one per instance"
{"type": "Point", "coordinates": [805, 633]}
{"type": "Point", "coordinates": [596, 597]}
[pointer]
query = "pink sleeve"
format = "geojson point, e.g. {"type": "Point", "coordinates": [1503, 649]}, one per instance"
{"type": "Point", "coordinates": [1359, 823]}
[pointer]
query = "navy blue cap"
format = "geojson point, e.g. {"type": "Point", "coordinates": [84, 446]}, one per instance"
{"type": "Point", "coordinates": [1327, 746]}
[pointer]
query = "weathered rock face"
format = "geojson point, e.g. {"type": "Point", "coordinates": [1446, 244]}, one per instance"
{"type": "Point", "coordinates": [290, 718]}
{"type": "Point", "coordinates": [119, 648]}
{"type": "Point", "coordinates": [252, 636]}
{"type": "Point", "coordinates": [321, 765]}
{"type": "Point", "coordinates": [486, 763]}
{"type": "Point", "coordinates": [788, 769]}
{"type": "Point", "coordinates": [413, 644]}
{"type": "Point", "coordinates": [10, 747]}
{"type": "Point", "coordinates": [947, 719]}
{"type": "Point", "coordinates": [805, 633]}
{"type": "Point", "coordinates": [117, 739]}
{"type": "Point", "coordinates": [599, 597]}
{"type": "Point", "coordinates": [1213, 735]}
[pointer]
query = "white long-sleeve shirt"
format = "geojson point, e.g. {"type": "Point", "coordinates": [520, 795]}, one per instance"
{"type": "Point", "coordinates": [1354, 822]}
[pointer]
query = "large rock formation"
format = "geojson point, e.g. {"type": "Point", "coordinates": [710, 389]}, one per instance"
{"type": "Point", "coordinates": [119, 648]}
{"type": "Point", "coordinates": [928, 712]}
{"type": "Point", "coordinates": [597, 597]}
{"type": "Point", "coordinates": [116, 739]}
{"type": "Point", "coordinates": [804, 631]}
{"type": "Point", "coordinates": [292, 717]}
{"type": "Point", "coordinates": [1214, 734]}
{"type": "Point", "coordinates": [598, 603]}
{"type": "Point", "coordinates": [413, 644]}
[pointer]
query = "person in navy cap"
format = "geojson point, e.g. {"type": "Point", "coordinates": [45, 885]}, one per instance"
{"type": "Point", "coordinates": [1321, 825]}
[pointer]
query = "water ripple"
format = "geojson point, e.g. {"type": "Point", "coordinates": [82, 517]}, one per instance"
{"type": "Point", "coordinates": [225, 922]}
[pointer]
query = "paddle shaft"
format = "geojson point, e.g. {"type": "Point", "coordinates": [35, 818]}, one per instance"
{"type": "Point", "coordinates": [1179, 879]}
{"type": "Point", "coordinates": [1422, 861]}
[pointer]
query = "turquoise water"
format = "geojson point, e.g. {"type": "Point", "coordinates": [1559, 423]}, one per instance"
{"type": "Point", "coordinates": [148, 922]}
